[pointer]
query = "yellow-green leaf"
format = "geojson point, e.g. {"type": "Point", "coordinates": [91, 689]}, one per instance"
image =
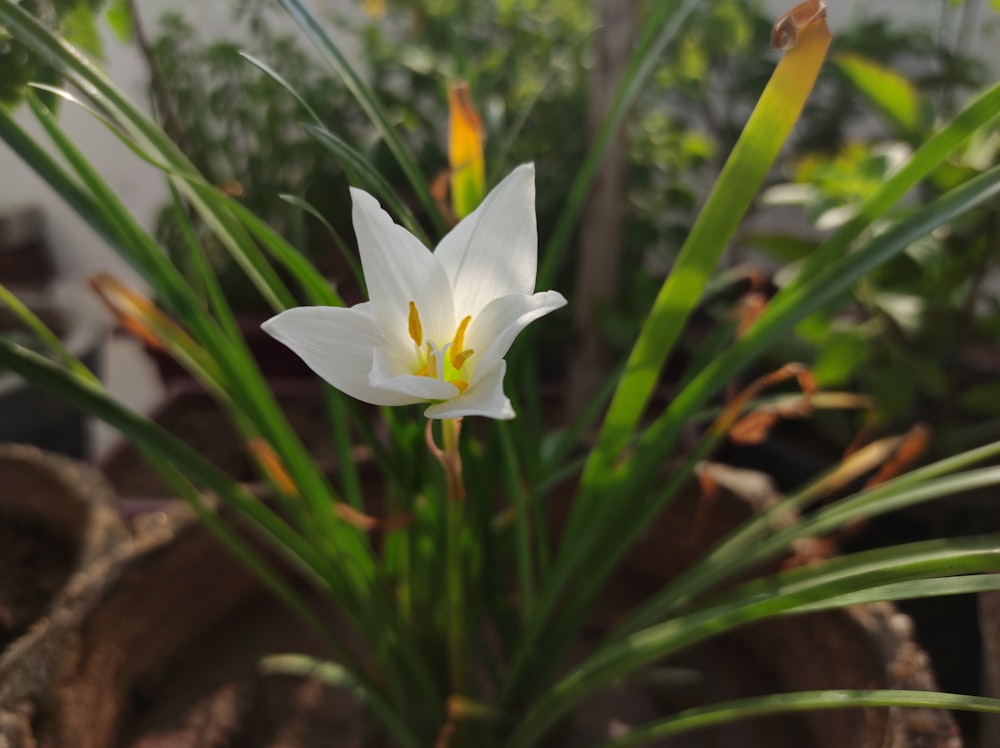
{"type": "Point", "coordinates": [893, 94]}
{"type": "Point", "coordinates": [119, 18]}
{"type": "Point", "coordinates": [80, 28]}
{"type": "Point", "coordinates": [465, 152]}
{"type": "Point", "coordinates": [805, 37]}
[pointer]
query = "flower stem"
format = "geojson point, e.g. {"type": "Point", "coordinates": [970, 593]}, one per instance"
{"type": "Point", "coordinates": [451, 461]}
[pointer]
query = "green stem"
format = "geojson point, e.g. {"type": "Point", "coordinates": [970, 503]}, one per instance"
{"type": "Point", "coordinates": [451, 461]}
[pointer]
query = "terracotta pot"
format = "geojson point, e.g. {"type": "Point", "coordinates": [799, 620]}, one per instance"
{"type": "Point", "coordinates": [60, 536]}
{"type": "Point", "coordinates": [154, 640]}
{"type": "Point", "coordinates": [871, 646]}
{"type": "Point", "coordinates": [167, 654]}
{"type": "Point", "coordinates": [128, 605]}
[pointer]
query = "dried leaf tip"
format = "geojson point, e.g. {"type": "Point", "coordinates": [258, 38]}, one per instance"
{"type": "Point", "coordinates": [785, 33]}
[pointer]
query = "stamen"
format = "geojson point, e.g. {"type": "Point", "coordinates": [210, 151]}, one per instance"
{"type": "Point", "coordinates": [416, 329]}
{"type": "Point", "coordinates": [459, 341]}
{"type": "Point", "coordinates": [443, 363]}
{"type": "Point", "coordinates": [457, 360]}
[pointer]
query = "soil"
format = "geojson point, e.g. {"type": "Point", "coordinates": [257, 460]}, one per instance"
{"type": "Point", "coordinates": [214, 695]}
{"type": "Point", "coordinates": [34, 565]}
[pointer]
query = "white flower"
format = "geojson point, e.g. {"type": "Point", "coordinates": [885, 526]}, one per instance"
{"type": "Point", "coordinates": [438, 324]}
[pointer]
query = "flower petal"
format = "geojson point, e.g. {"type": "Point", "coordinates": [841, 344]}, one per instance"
{"type": "Point", "coordinates": [399, 269]}
{"type": "Point", "coordinates": [338, 345]}
{"type": "Point", "coordinates": [385, 375]}
{"type": "Point", "coordinates": [494, 251]}
{"type": "Point", "coordinates": [485, 398]}
{"type": "Point", "coordinates": [493, 331]}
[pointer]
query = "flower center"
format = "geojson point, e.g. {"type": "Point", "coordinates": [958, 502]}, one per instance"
{"type": "Point", "coordinates": [446, 363]}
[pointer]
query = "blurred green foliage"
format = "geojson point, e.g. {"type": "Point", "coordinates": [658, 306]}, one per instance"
{"type": "Point", "coordinates": [687, 123]}
{"type": "Point", "coordinates": [919, 334]}
{"type": "Point", "coordinates": [532, 102]}
{"type": "Point", "coordinates": [898, 338]}
{"type": "Point", "coordinates": [244, 134]}
{"type": "Point", "coordinates": [76, 20]}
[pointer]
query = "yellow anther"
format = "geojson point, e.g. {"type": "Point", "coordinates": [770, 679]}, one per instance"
{"type": "Point", "coordinates": [458, 355]}
{"type": "Point", "coordinates": [459, 341]}
{"type": "Point", "coordinates": [440, 363]}
{"type": "Point", "coordinates": [416, 329]}
{"type": "Point", "coordinates": [459, 359]}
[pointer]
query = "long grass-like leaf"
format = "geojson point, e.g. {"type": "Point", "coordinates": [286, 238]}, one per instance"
{"type": "Point", "coordinates": [357, 165]}
{"type": "Point", "coordinates": [348, 256]}
{"type": "Point", "coordinates": [751, 159]}
{"type": "Point", "coordinates": [316, 288]}
{"type": "Point", "coordinates": [701, 717]}
{"type": "Point", "coordinates": [252, 397]}
{"type": "Point", "coordinates": [766, 130]}
{"type": "Point", "coordinates": [735, 556]}
{"type": "Point", "coordinates": [246, 386]}
{"type": "Point", "coordinates": [811, 294]}
{"type": "Point", "coordinates": [754, 601]}
{"type": "Point", "coordinates": [919, 589]}
{"type": "Point", "coordinates": [622, 522]}
{"type": "Point", "coordinates": [116, 107]}
{"type": "Point", "coordinates": [283, 82]}
{"type": "Point", "coordinates": [519, 495]}
{"type": "Point", "coordinates": [48, 338]}
{"type": "Point", "coordinates": [827, 274]}
{"type": "Point", "coordinates": [167, 447]}
{"type": "Point", "coordinates": [335, 675]}
{"type": "Point", "coordinates": [368, 101]}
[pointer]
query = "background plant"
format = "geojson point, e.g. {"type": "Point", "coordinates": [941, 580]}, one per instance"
{"type": "Point", "coordinates": [244, 135]}
{"type": "Point", "coordinates": [914, 334]}
{"type": "Point", "coordinates": [77, 20]}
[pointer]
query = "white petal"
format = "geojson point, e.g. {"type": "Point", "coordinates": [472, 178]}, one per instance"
{"type": "Point", "coordinates": [493, 331]}
{"type": "Point", "coordinates": [399, 269]}
{"type": "Point", "coordinates": [494, 250]}
{"type": "Point", "coordinates": [337, 344]}
{"type": "Point", "coordinates": [485, 398]}
{"type": "Point", "coordinates": [386, 375]}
